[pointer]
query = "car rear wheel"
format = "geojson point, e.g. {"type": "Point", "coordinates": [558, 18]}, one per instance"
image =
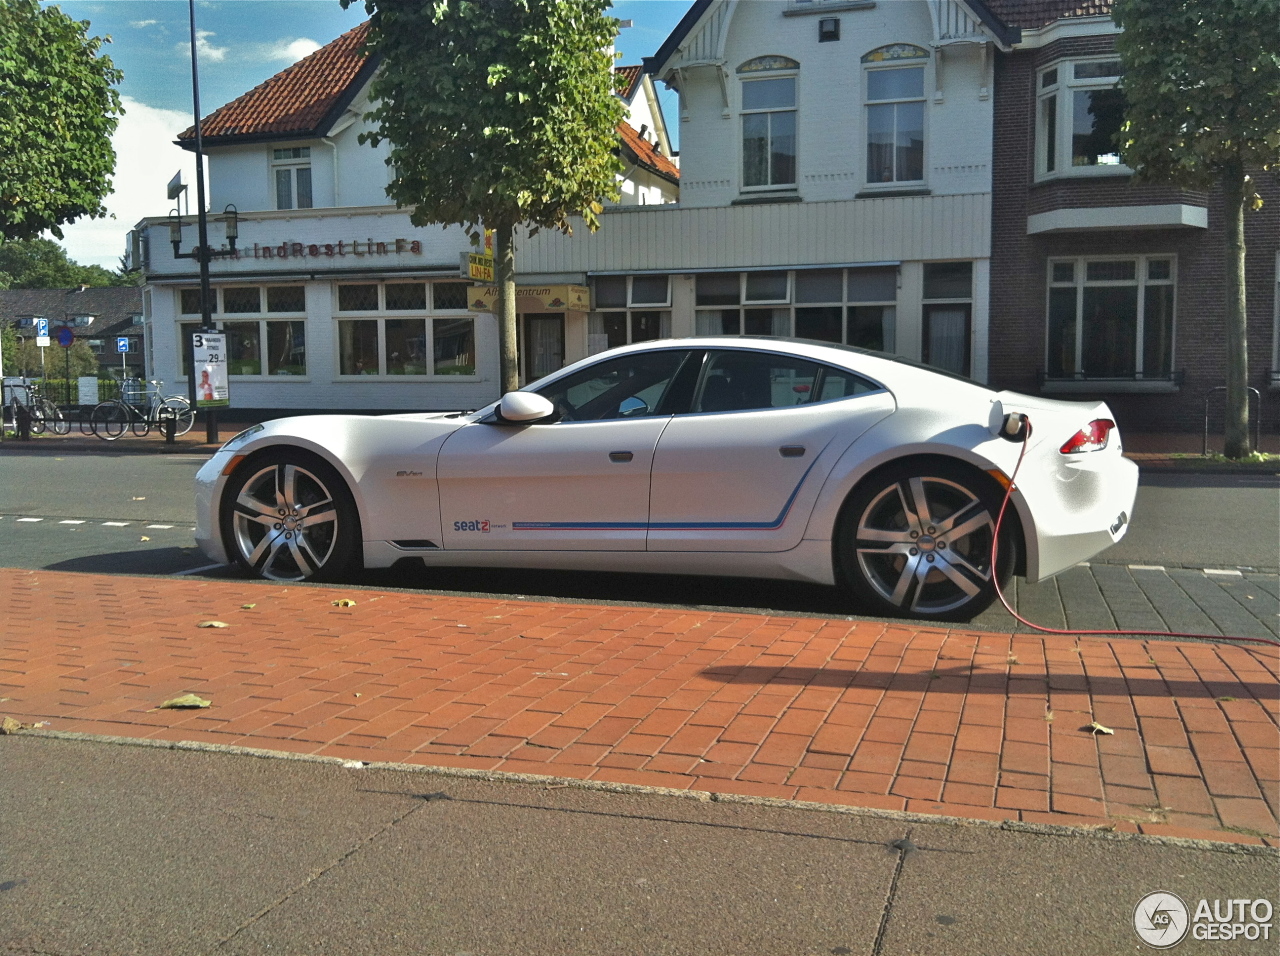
{"type": "Point", "coordinates": [915, 541]}
{"type": "Point", "coordinates": [288, 516]}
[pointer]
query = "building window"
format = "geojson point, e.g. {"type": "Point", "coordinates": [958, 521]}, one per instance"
{"type": "Point", "coordinates": [948, 316]}
{"type": "Point", "coordinates": [1079, 112]}
{"type": "Point", "coordinates": [291, 169]}
{"type": "Point", "coordinates": [848, 306]}
{"type": "Point", "coordinates": [1111, 318]}
{"type": "Point", "coordinates": [410, 328]}
{"type": "Point", "coordinates": [895, 113]}
{"type": "Point", "coordinates": [266, 328]}
{"type": "Point", "coordinates": [768, 122]}
{"type": "Point", "coordinates": [629, 309]}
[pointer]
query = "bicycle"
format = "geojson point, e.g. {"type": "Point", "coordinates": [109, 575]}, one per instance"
{"type": "Point", "coordinates": [112, 418]}
{"type": "Point", "coordinates": [42, 413]}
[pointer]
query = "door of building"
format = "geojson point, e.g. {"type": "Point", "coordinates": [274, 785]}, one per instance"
{"type": "Point", "coordinates": [543, 344]}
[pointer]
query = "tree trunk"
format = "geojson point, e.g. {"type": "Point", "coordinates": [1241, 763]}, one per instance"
{"type": "Point", "coordinates": [505, 274]}
{"type": "Point", "coordinates": [1235, 317]}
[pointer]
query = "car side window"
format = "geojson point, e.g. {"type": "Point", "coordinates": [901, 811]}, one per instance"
{"type": "Point", "coordinates": [745, 380]}
{"type": "Point", "coordinates": [630, 386]}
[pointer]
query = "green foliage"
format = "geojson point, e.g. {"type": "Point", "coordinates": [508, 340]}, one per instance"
{"type": "Point", "coordinates": [22, 357]}
{"type": "Point", "coordinates": [1202, 80]}
{"type": "Point", "coordinates": [43, 264]}
{"type": "Point", "coordinates": [501, 112]}
{"type": "Point", "coordinates": [57, 113]}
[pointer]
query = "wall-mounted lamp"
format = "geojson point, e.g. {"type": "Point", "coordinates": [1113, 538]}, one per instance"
{"type": "Point", "coordinates": [231, 222]}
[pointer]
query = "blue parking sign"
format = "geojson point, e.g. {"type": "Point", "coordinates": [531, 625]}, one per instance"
{"type": "Point", "coordinates": [42, 328]}
{"type": "Point", "coordinates": [122, 344]}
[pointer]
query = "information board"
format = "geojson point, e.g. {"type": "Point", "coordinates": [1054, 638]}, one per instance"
{"type": "Point", "coordinates": [209, 354]}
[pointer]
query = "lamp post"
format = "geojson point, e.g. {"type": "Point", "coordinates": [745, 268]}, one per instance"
{"type": "Point", "coordinates": [201, 253]}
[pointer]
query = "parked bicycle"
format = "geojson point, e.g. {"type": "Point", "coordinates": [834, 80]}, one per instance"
{"type": "Point", "coordinates": [43, 414]}
{"type": "Point", "coordinates": [139, 409]}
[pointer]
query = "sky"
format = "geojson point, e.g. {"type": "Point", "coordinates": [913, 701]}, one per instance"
{"type": "Point", "coordinates": [239, 44]}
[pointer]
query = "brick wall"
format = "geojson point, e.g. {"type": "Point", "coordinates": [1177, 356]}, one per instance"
{"type": "Point", "coordinates": [1018, 262]}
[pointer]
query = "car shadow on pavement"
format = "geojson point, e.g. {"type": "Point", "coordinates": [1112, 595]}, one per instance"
{"type": "Point", "coordinates": [965, 679]}
{"type": "Point", "coordinates": [142, 561]}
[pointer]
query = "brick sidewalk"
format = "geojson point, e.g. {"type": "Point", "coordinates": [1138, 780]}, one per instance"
{"type": "Point", "coordinates": [890, 716]}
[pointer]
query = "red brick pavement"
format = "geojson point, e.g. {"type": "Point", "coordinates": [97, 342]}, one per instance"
{"type": "Point", "coordinates": [892, 716]}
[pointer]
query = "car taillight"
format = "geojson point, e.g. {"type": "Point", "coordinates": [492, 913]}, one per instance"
{"type": "Point", "coordinates": [1093, 437]}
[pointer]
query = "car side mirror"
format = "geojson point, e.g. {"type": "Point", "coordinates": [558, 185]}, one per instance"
{"type": "Point", "coordinates": [524, 408]}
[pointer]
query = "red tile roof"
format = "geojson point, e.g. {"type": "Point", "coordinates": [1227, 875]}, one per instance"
{"type": "Point", "coordinates": [640, 151]}
{"type": "Point", "coordinates": [294, 102]}
{"type": "Point", "coordinates": [626, 79]}
{"type": "Point", "coordinates": [1033, 14]}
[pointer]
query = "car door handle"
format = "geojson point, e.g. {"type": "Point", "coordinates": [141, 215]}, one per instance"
{"type": "Point", "coordinates": [620, 456]}
{"type": "Point", "coordinates": [791, 451]}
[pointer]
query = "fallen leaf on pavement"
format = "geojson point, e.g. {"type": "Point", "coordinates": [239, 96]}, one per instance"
{"type": "Point", "coordinates": [143, 498]}
{"type": "Point", "coordinates": [10, 726]}
{"type": "Point", "coordinates": [1097, 728]}
{"type": "Point", "coordinates": [184, 702]}
{"type": "Point", "coordinates": [343, 602]}
{"type": "Point", "coordinates": [247, 607]}
{"type": "Point", "coordinates": [213, 624]}
{"type": "Point", "coordinates": [144, 538]}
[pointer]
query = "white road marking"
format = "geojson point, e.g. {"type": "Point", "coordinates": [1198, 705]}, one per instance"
{"type": "Point", "coordinates": [207, 567]}
{"type": "Point", "coordinates": [161, 527]}
{"type": "Point", "coordinates": [1224, 572]}
{"type": "Point", "coordinates": [30, 519]}
{"type": "Point", "coordinates": [1146, 567]}
{"type": "Point", "coordinates": [116, 524]}
{"type": "Point", "coordinates": [72, 521]}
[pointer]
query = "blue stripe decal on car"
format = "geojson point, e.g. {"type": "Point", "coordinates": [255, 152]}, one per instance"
{"type": "Point", "coordinates": [671, 525]}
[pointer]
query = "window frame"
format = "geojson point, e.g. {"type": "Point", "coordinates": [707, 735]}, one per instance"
{"type": "Point", "coordinates": [381, 315]}
{"type": "Point", "coordinates": [748, 73]}
{"type": "Point", "coordinates": [1063, 91]}
{"type": "Point", "coordinates": [709, 359]}
{"type": "Point", "coordinates": [599, 314]}
{"type": "Point", "coordinates": [291, 163]}
{"type": "Point", "coordinates": [871, 64]}
{"type": "Point", "coordinates": [1140, 282]}
{"type": "Point", "coordinates": [220, 318]}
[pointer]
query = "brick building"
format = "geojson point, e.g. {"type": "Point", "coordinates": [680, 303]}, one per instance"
{"type": "Point", "coordinates": [1102, 287]}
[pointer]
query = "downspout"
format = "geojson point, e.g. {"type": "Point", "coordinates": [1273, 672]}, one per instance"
{"type": "Point", "coordinates": [334, 146]}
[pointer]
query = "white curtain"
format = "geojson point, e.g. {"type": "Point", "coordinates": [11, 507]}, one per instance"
{"type": "Point", "coordinates": [948, 345]}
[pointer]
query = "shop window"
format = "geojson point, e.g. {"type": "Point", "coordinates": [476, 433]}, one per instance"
{"type": "Point", "coordinates": [948, 316]}
{"type": "Point", "coordinates": [895, 113]}
{"type": "Point", "coordinates": [768, 86]}
{"type": "Point", "coordinates": [635, 319]}
{"type": "Point", "coordinates": [435, 341]}
{"type": "Point", "coordinates": [291, 169]}
{"type": "Point", "coordinates": [259, 342]}
{"type": "Point", "coordinates": [1111, 318]}
{"type": "Point", "coordinates": [1079, 113]}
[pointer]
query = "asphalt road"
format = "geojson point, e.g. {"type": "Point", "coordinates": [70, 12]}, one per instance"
{"type": "Point", "coordinates": [135, 516]}
{"type": "Point", "coordinates": [187, 852]}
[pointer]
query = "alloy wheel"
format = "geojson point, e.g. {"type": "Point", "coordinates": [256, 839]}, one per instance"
{"type": "Point", "coordinates": [285, 522]}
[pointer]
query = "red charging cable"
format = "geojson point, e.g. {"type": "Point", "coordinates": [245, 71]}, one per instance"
{"type": "Point", "coordinates": [995, 576]}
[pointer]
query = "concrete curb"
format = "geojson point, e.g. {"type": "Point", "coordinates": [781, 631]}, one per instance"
{"type": "Point", "coordinates": [701, 796]}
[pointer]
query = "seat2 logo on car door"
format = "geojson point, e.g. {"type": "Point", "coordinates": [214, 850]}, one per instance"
{"type": "Point", "coordinates": [481, 525]}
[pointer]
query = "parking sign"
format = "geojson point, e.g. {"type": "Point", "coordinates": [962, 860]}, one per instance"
{"type": "Point", "coordinates": [122, 344]}
{"type": "Point", "coordinates": [42, 333]}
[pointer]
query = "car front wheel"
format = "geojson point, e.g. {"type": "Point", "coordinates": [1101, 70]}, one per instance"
{"type": "Point", "coordinates": [289, 516]}
{"type": "Point", "coordinates": [915, 541]}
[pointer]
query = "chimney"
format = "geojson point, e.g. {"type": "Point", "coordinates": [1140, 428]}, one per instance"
{"type": "Point", "coordinates": [644, 129]}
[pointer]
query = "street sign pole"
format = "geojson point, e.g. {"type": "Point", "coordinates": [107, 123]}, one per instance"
{"type": "Point", "coordinates": [206, 312]}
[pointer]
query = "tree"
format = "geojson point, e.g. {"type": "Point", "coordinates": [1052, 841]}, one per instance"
{"type": "Point", "coordinates": [22, 357]}
{"type": "Point", "coordinates": [57, 113]}
{"type": "Point", "coordinates": [498, 113]}
{"type": "Point", "coordinates": [1202, 81]}
{"type": "Point", "coordinates": [43, 264]}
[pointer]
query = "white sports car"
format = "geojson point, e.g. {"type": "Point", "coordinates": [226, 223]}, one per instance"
{"type": "Point", "coordinates": [761, 457]}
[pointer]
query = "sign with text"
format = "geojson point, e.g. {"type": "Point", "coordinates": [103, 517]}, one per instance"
{"type": "Point", "coordinates": [42, 333]}
{"type": "Point", "coordinates": [209, 360]}
{"type": "Point", "coordinates": [479, 268]}
{"type": "Point", "coordinates": [534, 299]}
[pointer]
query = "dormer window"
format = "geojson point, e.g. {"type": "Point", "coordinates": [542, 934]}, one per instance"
{"type": "Point", "coordinates": [768, 122]}
{"type": "Point", "coordinates": [292, 171]}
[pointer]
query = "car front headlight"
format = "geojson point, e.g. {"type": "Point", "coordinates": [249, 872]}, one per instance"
{"type": "Point", "coordinates": [241, 437]}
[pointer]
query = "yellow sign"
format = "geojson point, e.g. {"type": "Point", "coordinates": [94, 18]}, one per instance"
{"type": "Point", "coordinates": [534, 299]}
{"type": "Point", "coordinates": [479, 268]}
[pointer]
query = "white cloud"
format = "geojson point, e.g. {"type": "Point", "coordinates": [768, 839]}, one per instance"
{"type": "Point", "coordinates": [291, 51]}
{"type": "Point", "coordinates": [206, 50]}
{"type": "Point", "coordinates": [139, 24]}
{"type": "Point", "coordinates": [146, 159]}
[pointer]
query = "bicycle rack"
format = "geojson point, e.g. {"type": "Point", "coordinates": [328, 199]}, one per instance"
{"type": "Point", "coordinates": [1257, 418]}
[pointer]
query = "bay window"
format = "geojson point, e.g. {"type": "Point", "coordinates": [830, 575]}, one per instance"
{"type": "Point", "coordinates": [1079, 112]}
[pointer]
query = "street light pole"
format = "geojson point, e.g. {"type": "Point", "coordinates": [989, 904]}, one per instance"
{"type": "Point", "coordinates": [206, 312]}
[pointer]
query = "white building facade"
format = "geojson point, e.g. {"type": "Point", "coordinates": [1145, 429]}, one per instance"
{"type": "Point", "coordinates": [835, 184]}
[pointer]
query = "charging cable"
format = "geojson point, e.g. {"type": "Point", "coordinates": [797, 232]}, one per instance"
{"type": "Point", "coordinates": [1020, 425]}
